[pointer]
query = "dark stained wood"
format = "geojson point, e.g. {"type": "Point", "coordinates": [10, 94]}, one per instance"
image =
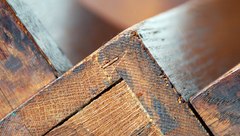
{"type": "Point", "coordinates": [41, 36]}
{"type": "Point", "coordinates": [195, 43]}
{"type": "Point", "coordinates": [116, 112]}
{"type": "Point", "coordinates": [23, 68]}
{"type": "Point", "coordinates": [219, 105]}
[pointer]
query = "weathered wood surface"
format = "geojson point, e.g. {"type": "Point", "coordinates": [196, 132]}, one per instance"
{"type": "Point", "coordinates": [75, 89]}
{"type": "Point", "coordinates": [219, 105]}
{"type": "Point", "coordinates": [41, 36]}
{"type": "Point", "coordinates": [116, 112]}
{"type": "Point", "coordinates": [5, 106]}
{"type": "Point", "coordinates": [150, 84]}
{"type": "Point", "coordinates": [196, 43]}
{"type": "Point", "coordinates": [57, 101]}
{"type": "Point", "coordinates": [130, 57]}
{"type": "Point", "coordinates": [23, 68]}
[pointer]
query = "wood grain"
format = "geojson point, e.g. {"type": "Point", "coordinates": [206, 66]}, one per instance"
{"type": "Point", "coordinates": [5, 106]}
{"type": "Point", "coordinates": [23, 68]}
{"type": "Point", "coordinates": [41, 36]}
{"type": "Point", "coordinates": [67, 95]}
{"type": "Point", "coordinates": [219, 105]}
{"type": "Point", "coordinates": [150, 84]}
{"type": "Point", "coordinates": [195, 43]}
{"type": "Point", "coordinates": [191, 54]}
{"type": "Point", "coordinates": [58, 100]}
{"type": "Point", "coordinates": [115, 113]}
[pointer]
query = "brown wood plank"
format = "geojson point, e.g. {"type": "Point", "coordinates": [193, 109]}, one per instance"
{"type": "Point", "coordinates": [57, 101]}
{"type": "Point", "coordinates": [195, 43]}
{"type": "Point", "coordinates": [150, 131]}
{"type": "Point", "coordinates": [23, 68]}
{"type": "Point", "coordinates": [5, 106]}
{"type": "Point", "coordinates": [117, 112]}
{"type": "Point", "coordinates": [219, 105]}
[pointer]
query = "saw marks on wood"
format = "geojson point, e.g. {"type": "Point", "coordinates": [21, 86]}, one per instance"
{"type": "Point", "coordinates": [219, 104]}
{"type": "Point", "coordinates": [123, 57]}
{"type": "Point", "coordinates": [58, 100]}
{"type": "Point", "coordinates": [23, 69]}
{"type": "Point", "coordinates": [146, 79]}
{"type": "Point", "coordinates": [116, 113]}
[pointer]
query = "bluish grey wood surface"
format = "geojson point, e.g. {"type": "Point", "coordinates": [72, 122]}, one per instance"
{"type": "Point", "coordinates": [194, 44]}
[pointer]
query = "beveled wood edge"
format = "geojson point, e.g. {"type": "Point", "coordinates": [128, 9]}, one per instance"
{"type": "Point", "coordinates": [37, 32]}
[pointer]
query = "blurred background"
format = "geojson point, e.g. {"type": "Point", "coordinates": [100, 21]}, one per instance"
{"type": "Point", "coordinates": [80, 27]}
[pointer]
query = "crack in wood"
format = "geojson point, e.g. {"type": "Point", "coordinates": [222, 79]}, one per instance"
{"type": "Point", "coordinates": [75, 112]}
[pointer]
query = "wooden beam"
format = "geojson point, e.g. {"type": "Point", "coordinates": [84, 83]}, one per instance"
{"type": "Point", "coordinates": [122, 57]}
{"type": "Point", "coordinates": [195, 43]}
{"type": "Point", "coordinates": [59, 100]}
{"type": "Point", "coordinates": [151, 85]}
{"type": "Point", "coordinates": [155, 60]}
{"type": "Point", "coordinates": [116, 112]}
{"type": "Point", "coordinates": [23, 68]}
{"type": "Point", "coordinates": [46, 44]}
{"type": "Point", "coordinates": [76, 30]}
{"type": "Point", "coordinates": [219, 106]}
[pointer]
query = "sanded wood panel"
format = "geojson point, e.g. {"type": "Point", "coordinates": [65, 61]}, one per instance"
{"type": "Point", "coordinates": [117, 112]}
{"type": "Point", "coordinates": [219, 105]}
{"type": "Point", "coordinates": [23, 69]}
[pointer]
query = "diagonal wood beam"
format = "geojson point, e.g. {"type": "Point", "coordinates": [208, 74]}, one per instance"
{"type": "Point", "coordinates": [41, 36]}
{"type": "Point", "coordinates": [195, 43]}
{"type": "Point", "coordinates": [218, 104]}
{"type": "Point", "coordinates": [24, 67]}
